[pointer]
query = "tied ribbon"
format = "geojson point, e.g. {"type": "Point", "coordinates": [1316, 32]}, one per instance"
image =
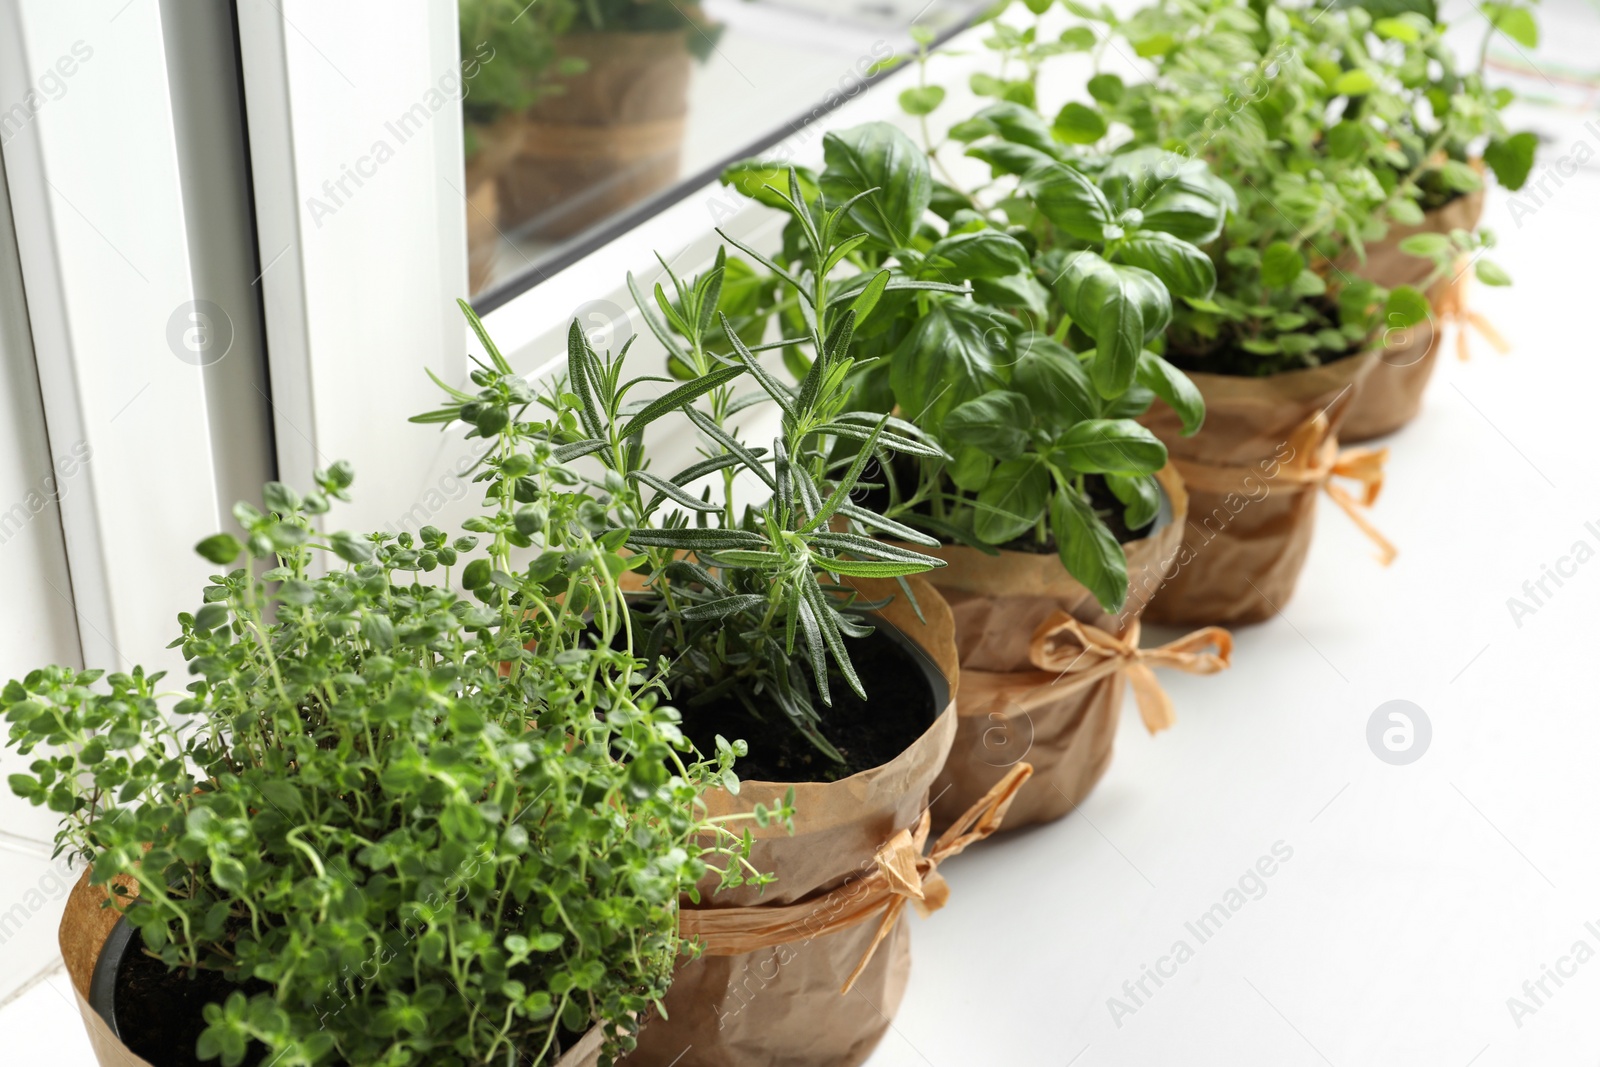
{"type": "Point", "coordinates": [1082, 653]}
{"type": "Point", "coordinates": [902, 874]}
{"type": "Point", "coordinates": [1450, 305]}
{"type": "Point", "coordinates": [1317, 460]}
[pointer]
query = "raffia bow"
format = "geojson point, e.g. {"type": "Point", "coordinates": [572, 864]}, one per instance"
{"type": "Point", "coordinates": [1317, 460]}
{"type": "Point", "coordinates": [1082, 653]}
{"type": "Point", "coordinates": [901, 874]}
{"type": "Point", "coordinates": [1450, 305]}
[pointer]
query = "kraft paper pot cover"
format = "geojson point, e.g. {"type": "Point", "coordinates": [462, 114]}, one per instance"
{"type": "Point", "coordinates": [1267, 450]}
{"type": "Point", "coordinates": [781, 1006]}
{"type": "Point", "coordinates": [1007, 709]}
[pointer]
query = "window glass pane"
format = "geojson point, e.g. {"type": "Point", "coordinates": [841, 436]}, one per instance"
{"type": "Point", "coordinates": [580, 112]}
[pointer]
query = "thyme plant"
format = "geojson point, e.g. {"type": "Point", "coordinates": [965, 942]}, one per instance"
{"type": "Point", "coordinates": [413, 826]}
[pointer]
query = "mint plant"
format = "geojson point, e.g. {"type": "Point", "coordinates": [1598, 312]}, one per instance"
{"type": "Point", "coordinates": [414, 826]}
{"type": "Point", "coordinates": [1015, 327]}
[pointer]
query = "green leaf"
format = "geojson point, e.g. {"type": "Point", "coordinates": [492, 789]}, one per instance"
{"type": "Point", "coordinates": [1511, 159]}
{"type": "Point", "coordinates": [878, 156]}
{"type": "Point", "coordinates": [1281, 264]}
{"type": "Point", "coordinates": [1184, 269]}
{"type": "Point", "coordinates": [1057, 387]}
{"type": "Point", "coordinates": [1106, 88]}
{"type": "Point", "coordinates": [1109, 446]}
{"type": "Point", "coordinates": [1013, 501]}
{"type": "Point", "coordinates": [1173, 386]}
{"type": "Point", "coordinates": [210, 617]}
{"type": "Point", "coordinates": [221, 549]}
{"type": "Point", "coordinates": [921, 100]}
{"type": "Point", "coordinates": [1121, 307]}
{"type": "Point", "coordinates": [859, 568]}
{"type": "Point", "coordinates": [280, 498]}
{"type": "Point", "coordinates": [1427, 245]}
{"type": "Point", "coordinates": [1516, 23]}
{"type": "Point", "coordinates": [980, 254]}
{"type": "Point", "coordinates": [677, 399]}
{"type": "Point", "coordinates": [998, 423]}
{"type": "Point", "coordinates": [1079, 124]}
{"type": "Point", "coordinates": [1491, 273]}
{"type": "Point", "coordinates": [950, 356]}
{"type": "Point", "coordinates": [1089, 550]}
{"type": "Point", "coordinates": [763, 181]}
{"type": "Point", "coordinates": [351, 548]}
{"type": "Point", "coordinates": [1021, 126]}
{"type": "Point", "coordinates": [1140, 495]}
{"type": "Point", "coordinates": [1069, 199]}
{"type": "Point", "coordinates": [1406, 306]}
{"type": "Point", "coordinates": [1353, 83]}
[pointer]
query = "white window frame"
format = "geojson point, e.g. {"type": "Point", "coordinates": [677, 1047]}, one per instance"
{"type": "Point", "coordinates": [367, 294]}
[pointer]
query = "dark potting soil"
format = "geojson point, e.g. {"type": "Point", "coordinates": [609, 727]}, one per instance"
{"type": "Point", "coordinates": [160, 1012]}
{"type": "Point", "coordinates": [1223, 354]}
{"type": "Point", "coordinates": [867, 733]}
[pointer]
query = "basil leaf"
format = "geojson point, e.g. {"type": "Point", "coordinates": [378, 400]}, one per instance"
{"type": "Point", "coordinates": [1089, 550]}
{"type": "Point", "coordinates": [1055, 383]}
{"type": "Point", "coordinates": [1109, 446]}
{"type": "Point", "coordinates": [1069, 199]}
{"type": "Point", "coordinates": [982, 254]}
{"type": "Point", "coordinates": [1013, 501]}
{"type": "Point", "coordinates": [1173, 386]}
{"type": "Point", "coordinates": [950, 356]}
{"type": "Point", "coordinates": [998, 423]}
{"type": "Point", "coordinates": [1184, 269]}
{"type": "Point", "coordinates": [1141, 496]}
{"type": "Point", "coordinates": [877, 155]}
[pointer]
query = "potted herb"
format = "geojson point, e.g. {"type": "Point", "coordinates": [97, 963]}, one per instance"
{"type": "Point", "coordinates": [613, 134]}
{"type": "Point", "coordinates": [1013, 328]}
{"type": "Point", "coordinates": [386, 823]}
{"type": "Point", "coordinates": [1416, 116]}
{"type": "Point", "coordinates": [769, 612]}
{"type": "Point", "coordinates": [509, 61]}
{"type": "Point", "coordinates": [1277, 350]}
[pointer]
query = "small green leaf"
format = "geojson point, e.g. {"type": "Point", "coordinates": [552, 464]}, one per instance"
{"type": "Point", "coordinates": [1491, 273]}
{"type": "Point", "coordinates": [221, 549]}
{"type": "Point", "coordinates": [1079, 124]}
{"type": "Point", "coordinates": [1281, 264]}
{"type": "Point", "coordinates": [921, 100]}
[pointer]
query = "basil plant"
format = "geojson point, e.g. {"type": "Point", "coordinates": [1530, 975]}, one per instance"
{"type": "Point", "coordinates": [1015, 326]}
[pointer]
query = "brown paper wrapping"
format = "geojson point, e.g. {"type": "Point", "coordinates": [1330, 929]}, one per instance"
{"type": "Point", "coordinates": [1254, 471]}
{"type": "Point", "coordinates": [781, 1006]}
{"type": "Point", "coordinates": [1391, 395]}
{"type": "Point", "coordinates": [609, 139]}
{"type": "Point", "coordinates": [85, 925]}
{"type": "Point", "coordinates": [1007, 709]}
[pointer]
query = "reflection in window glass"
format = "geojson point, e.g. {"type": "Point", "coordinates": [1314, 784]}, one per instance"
{"type": "Point", "coordinates": [578, 110]}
